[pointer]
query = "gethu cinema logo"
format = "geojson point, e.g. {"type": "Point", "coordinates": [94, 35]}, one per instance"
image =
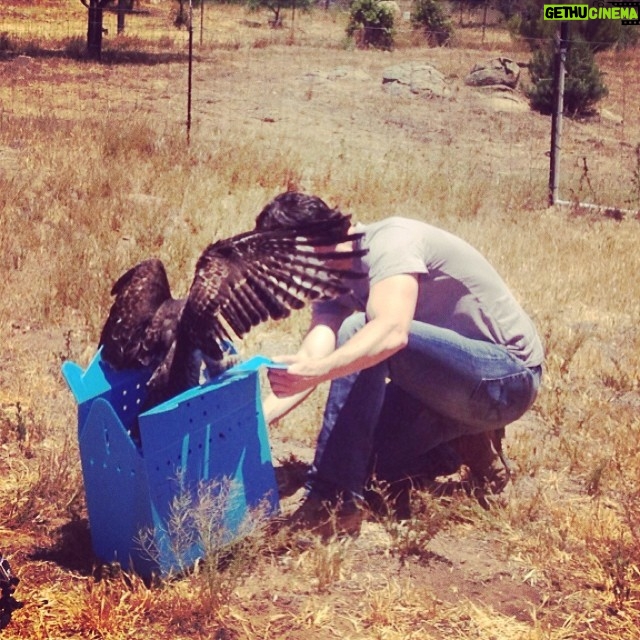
{"type": "Point", "coordinates": [627, 12]}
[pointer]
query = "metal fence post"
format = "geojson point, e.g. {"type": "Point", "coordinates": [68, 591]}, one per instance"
{"type": "Point", "coordinates": [562, 43]}
{"type": "Point", "coordinates": [190, 72]}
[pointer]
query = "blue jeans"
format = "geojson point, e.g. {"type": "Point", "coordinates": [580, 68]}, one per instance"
{"type": "Point", "coordinates": [455, 386]}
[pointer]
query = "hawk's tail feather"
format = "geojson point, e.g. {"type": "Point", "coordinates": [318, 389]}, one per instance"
{"type": "Point", "coordinates": [253, 302]}
{"type": "Point", "coordinates": [331, 230]}
{"type": "Point", "coordinates": [267, 297]}
{"type": "Point", "coordinates": [295, 255]}
{"type": "Point", "coordinates": [283, 288]}
{"type": "Point", "coordinates": [305, 267]}
{"type": "Point", "coordinates": [210, 340]}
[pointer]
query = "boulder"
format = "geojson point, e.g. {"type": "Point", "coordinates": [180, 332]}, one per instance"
{"type": "Point", "coordinates": [501, 98]}
{"type": "Point", "coordinates": [498, 71]}
{"type": "Point", "coordinates": [339, 73]}
{"type": "Point", "coordinates": [415, 78]}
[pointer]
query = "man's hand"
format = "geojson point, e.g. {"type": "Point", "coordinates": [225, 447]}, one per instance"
{"type": "Point", "coordinates": [302, 374]}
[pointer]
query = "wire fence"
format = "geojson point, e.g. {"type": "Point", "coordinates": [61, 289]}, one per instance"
{"type": "Point", "coordinates": [39, 76]}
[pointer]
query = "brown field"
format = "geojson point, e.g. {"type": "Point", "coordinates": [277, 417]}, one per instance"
{"type": "Point", "coordinates": [96, 174]}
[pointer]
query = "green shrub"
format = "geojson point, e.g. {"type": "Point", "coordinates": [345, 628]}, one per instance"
{"type": "Point", "coordinates": [430, 16]}
{"type": "Point", "coordinates": [372, 24]}
{"type": "Point", "coordinates": [583, 85]}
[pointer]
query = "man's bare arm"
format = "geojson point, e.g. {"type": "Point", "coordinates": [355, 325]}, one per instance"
{"type": "Point", "coordinates": [390, 310]}
{"type": "Point", "coordinates": [319, 342]}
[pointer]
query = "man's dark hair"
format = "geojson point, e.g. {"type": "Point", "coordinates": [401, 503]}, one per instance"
{"type": "Point", "coordinates": [296, 210]}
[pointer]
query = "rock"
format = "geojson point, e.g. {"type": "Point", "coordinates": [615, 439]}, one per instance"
{"type": "Point", "coordinates": [22, 61]}
{"type": "Point", "coordinates": [339, 73]}
{"type": "Point", "coordinates": [498, 71]}
{"type": "Point", "coordinates": [605, 114]}
{"type": "Point", "coordinates": [501, 98]}
{"type": "Point", "coordinates": [415, 78]}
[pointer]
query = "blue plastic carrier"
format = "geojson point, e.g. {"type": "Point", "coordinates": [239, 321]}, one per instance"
{"type": "Point", "coordinates": [212, 435]}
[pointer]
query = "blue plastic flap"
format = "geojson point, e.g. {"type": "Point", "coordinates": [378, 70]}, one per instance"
{"type": "Point", "coordinates": [214, 434]}
{"type": "Point", "coordinates": [116, 487]}
{"type": "Point", "coordinates": [125, 390]}
{"type": "Point", "coordinates": [99, 378]}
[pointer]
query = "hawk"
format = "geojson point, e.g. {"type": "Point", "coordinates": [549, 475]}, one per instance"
{"type": "Point", "coordinates": [239, 283]}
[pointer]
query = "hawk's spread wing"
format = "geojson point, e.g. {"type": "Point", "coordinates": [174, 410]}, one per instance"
{"type": "Point", "coordinates": [143, 318]}
{"type": "Point", "coordinates": [238, 283]}
{"type": "Point", "coordinates": [257, 276]}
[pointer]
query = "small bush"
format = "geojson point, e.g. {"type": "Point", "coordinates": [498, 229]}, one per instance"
{"type": "Point", "coordinates": [583, 85]}
{"type": "Point", "coordinates": [197, 526]}
{"type": "Point", "coordinates": [372, 24]}
{"type": "Point", "coordinates": [429, 16]}
{"type": "Point", "coordinates": [410, 537]}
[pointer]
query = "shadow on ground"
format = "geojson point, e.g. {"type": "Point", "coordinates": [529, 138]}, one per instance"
{"type": "Point", "coordinates": [109, 56]}
{"type": "Point", "coordinates": [71, 550]}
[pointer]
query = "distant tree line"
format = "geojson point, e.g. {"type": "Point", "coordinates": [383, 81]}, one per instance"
{"type": "Point", "coordinates": [372, 24]}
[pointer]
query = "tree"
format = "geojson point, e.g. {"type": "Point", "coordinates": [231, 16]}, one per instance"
{"type": "Point", "coordinates": [432, 19]}
{"type": "Point", "coordinates": [470, 6]}
{"type": "Point", "coordinates": [583, 85]}
{"type": "Point", "coordinates": [276, 7]}
{"type": "Point", "coordinates": [182, 16]}
{"type": "Point", "coordinates": [124, 6]}
{"type": "Point", "coordinates": [372, 23]}
{"type": "Point", "coordinates": [94, 29]}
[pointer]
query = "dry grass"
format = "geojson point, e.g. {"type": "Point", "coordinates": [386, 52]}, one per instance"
{"type": "Point", "coordinates": [95, 174]}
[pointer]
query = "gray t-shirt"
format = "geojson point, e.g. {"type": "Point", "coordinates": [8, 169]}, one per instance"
{"type": "Point", "coordinates": [458, 288]}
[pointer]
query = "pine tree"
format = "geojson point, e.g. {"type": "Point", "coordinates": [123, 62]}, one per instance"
{"type": "Point", "coordinates": [583, 85]}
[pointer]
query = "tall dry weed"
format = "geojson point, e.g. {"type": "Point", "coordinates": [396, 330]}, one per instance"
{"type": "Point", "coordinates": [210, 549]}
